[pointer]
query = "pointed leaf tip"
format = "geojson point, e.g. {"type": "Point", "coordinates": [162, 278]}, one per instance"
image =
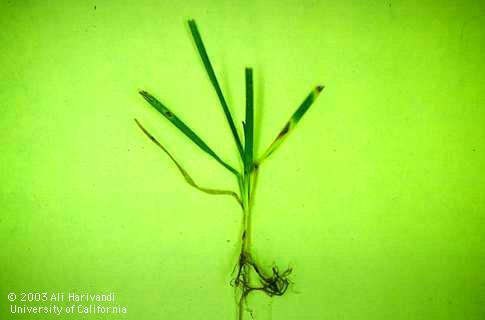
{"type": "Point", "coordinates": [319, 88]}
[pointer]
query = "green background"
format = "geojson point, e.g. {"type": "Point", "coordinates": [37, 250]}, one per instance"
{"type": "Point", "coordinates": [376, 200]}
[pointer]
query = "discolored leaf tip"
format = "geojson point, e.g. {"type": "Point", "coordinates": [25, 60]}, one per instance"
{"type": "Point", "coordinates": [319, 88]}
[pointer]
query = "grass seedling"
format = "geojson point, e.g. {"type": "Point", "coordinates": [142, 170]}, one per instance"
{"type": "Point", "coordinates": [249, 276]}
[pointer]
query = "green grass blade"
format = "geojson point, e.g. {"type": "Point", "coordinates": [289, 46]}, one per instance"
{"type": "Point", "coordinates": [185, 129]}
{"type": "Point", "coordinates": [215, 83]}
{"type": "Point", "coordinates": [186, 176]}
{"type": "Point", "coordinates": [290, 125]}
{"type": "Point", "coordinates": [249, 123]}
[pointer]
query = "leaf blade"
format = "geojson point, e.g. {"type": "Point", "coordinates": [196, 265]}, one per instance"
{"type": "Point", "coordinates": [169, 115]}
{"type": "Point", "coordinates": [184, 173]}
{"type": "Point", "coordinates": [213, 79]}
{"type": "Point", "coordinates": [249, 122]}
{"type": "Point", "coordinates": [290, 125]}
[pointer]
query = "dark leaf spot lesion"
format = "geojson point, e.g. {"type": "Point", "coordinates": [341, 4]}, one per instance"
{"type": "Point", "coordinates": [284, 131]}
